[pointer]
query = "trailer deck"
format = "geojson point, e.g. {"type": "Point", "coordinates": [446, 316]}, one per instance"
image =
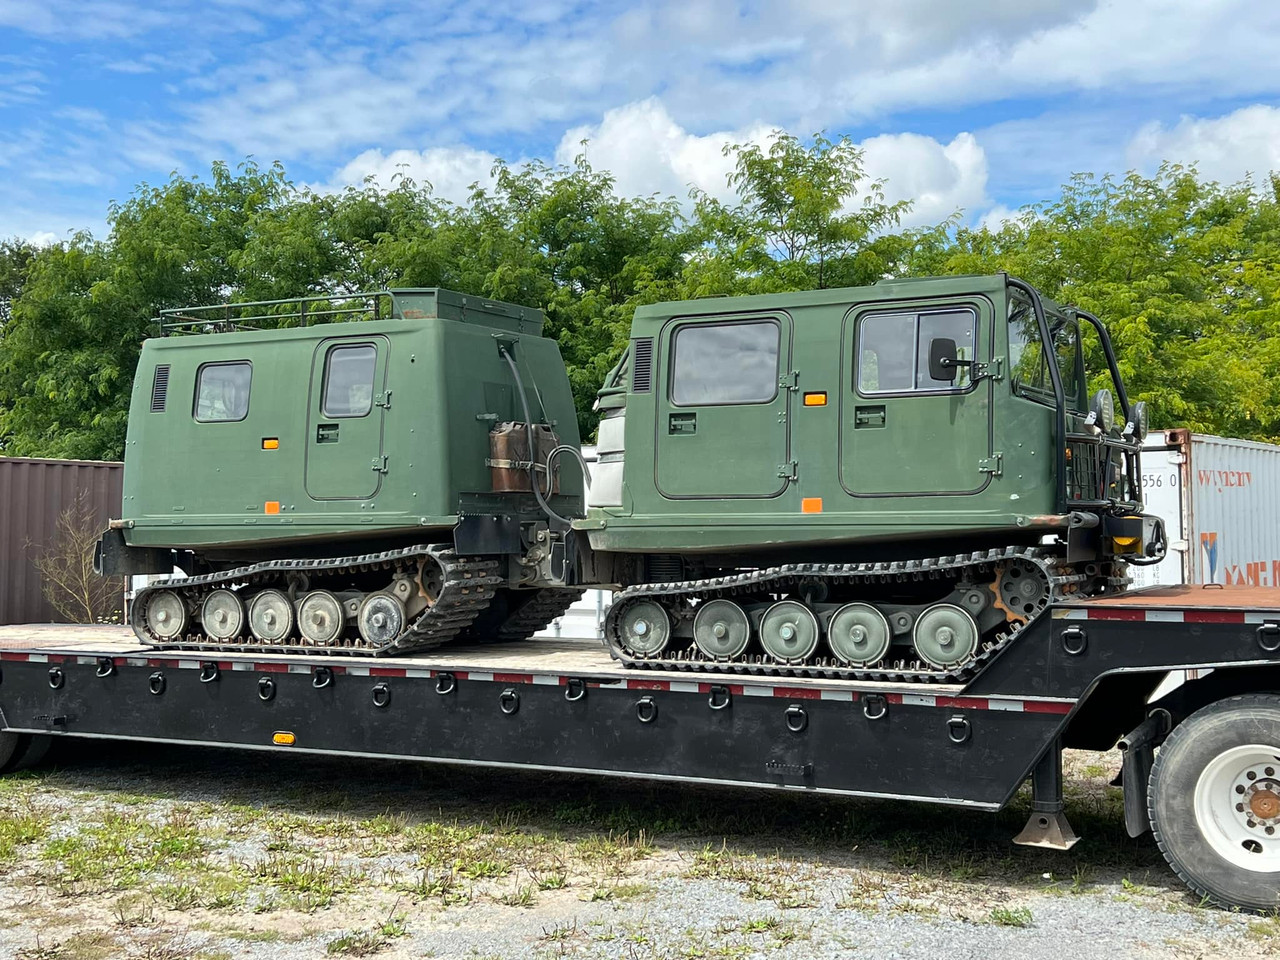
{"type": "Point", "coordinates": [566, 705]}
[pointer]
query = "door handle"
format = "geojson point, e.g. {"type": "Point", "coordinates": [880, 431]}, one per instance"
{"type": "Point", "coordinates": [682, 423]}
{"type": "Point", "coordinates": [327, 433]}
{"type": "Point", "coordinates": [868, 417]}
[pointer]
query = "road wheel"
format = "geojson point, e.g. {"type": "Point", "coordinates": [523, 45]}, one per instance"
{"type": "Point", "coordinates": [1214, 801]}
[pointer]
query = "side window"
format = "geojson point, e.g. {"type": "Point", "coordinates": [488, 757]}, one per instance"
{"type": "Point", "coordinates": [348, 380]}
{"type": "Point", "coordinates": [725, 363]}
{"type": "Point", "coordinates": [222, 391]}
{"type": "Point", "coordinates": [893, 350]}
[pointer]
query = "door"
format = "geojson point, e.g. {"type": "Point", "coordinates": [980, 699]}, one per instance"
{"type": "Point", "coordinates": [722, 413]}
{"type": "Point", "coordinates": [348, 400]}
{"type": "Point", "coordinates": [902, 431]}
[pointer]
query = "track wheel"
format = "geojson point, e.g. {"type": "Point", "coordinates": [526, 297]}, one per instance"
{"type": "Point", "coordinates": [789, 631]}
{"type": "Point", "coordinates": [1214, 801]}
{"type": "Point", "coordinates": [320, 618]}
{"type": "Point", "coordinates": [222, 615]}
{"type": "Point", "coordinates": [270, 616]}
{"type": "Point", "coordinates": [945, 636]}
{"type": "Point", "coordinates": [166, 614]}
{"type": "Point", "coordinates": [381, 618]}
{"type": "Point", "coordinates": [644, 627]}
{"type": "Point", "coordinates": [721, 629]}
{"type": "Point", "coordinates": [858, 634]}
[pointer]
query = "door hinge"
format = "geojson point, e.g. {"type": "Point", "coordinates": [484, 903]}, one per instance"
{"type": "Point", "coordinates": [383, 400]}
{"type": "Point", "coordinates": [380, 464]}
{"type": "Point", "coordinates": [790, 381]}
{"type": "Point", "coordinates": [993, 368]}
{"type": "Point", "coordinates": [992, 464]}
{"type": "Point", "coordinates": [789, 470]}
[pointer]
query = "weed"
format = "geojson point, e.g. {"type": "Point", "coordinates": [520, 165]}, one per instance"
{"type": "Point", "coordinates": [519, 896]}
{"type": "Point", "coordinates": [1011, 916]}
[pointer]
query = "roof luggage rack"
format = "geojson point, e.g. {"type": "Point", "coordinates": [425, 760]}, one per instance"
{"type": "Point", "coordinates": [405, 303]}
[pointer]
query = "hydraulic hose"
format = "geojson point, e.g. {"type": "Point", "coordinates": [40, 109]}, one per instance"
{"type": "Point", "coordinates": [533, 457]}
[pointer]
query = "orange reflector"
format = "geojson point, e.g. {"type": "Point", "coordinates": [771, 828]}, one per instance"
{"type": "Point", "coordinates": [271, 506]}
{"type": "Point", "coordinates": [811, 505]}
{"type": "Point", "coordinates": [815, 399]}
{"type": "Point", "coordinates": [270, 443]}
{"type": "Point", "coordinates": [283, 738]}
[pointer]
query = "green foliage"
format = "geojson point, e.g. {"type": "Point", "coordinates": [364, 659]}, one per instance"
{"type": "Point", "coordinates": [1185, 272]}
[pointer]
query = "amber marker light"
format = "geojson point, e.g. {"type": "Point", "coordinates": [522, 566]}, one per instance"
{"type": "Point", "coordinates": [270, 443]}
{"type": "Point", "coordinates": [815, 399]}
{"type": "Point", "coordinates": [283, 738]}
{"type": "Point", "coordinates": [811, 505]}
{"type": "Point", "coordinates": [271, 506]}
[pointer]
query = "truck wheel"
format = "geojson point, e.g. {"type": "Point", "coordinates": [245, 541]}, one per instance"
{"type": "Point", "coordinates": [1214, 801]}
{"type": "Point", "coordinates": [11, 745]}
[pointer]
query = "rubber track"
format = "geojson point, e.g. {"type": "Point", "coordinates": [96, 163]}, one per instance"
{"type": "Point", "coordinates": [536, 614]}
{"type": "Point", "coordinates": [776, 578]}
{"type": "Point", "coordinates": [469, 586]}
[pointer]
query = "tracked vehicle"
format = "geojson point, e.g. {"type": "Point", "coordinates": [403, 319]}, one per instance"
{"type": "Point", "coordinates": [886, 482]}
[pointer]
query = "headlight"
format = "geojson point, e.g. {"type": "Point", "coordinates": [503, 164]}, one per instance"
{"type": "Point", "coordinates": [1102, 411]}
{"type": "Point", "coordinates": [1139, 421]}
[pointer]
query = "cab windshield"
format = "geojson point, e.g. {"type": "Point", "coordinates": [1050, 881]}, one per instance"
{"type": "Point", "coordinates": [1027, 361]}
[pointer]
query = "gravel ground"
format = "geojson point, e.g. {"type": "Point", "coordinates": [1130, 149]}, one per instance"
{"type": "Point", "coordinates": [216, 854]}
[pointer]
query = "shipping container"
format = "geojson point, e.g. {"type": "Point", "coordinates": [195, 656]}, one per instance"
{"type": "Point", "coordinates": [1220, 501]}
{"type": "Point", "coordinates": [34, 494]}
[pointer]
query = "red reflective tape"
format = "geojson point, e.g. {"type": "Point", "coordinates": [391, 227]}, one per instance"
{"type": "Point", "coordinates": [59, 658]}
{"type": "Point", "coordinates": [648, 685]}
{"type": "Point", "coordinates": [271, 667]}
{"type": "Point", "coordinates": [1045, 706]}
{"type": "Point", "coordinates": [171, 664]}
{"type": "Point", "coordinates": [964, 703]}
{"type": "Point", "coordinates": [458, 674]}
{"type": "Point", "coordinates": [1213, 616]}
{"type": "Point", "coordinates": [512, 678]}
{"type": "Point", "coordinates": [1116, 613]}
{"type": "Point", "coordinates": [888, 697]}
{"type": "Point", "coordinates": [798, 693]}
{"type": "Point", "coordinates": [220, 664]}
{"type": "Point", "coordinates": [387, 671]}
{"type": "Point", "coordinates": [19, 657]}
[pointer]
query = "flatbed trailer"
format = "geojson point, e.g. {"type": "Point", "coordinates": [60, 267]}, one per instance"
{"type": "Point", "coordinates": [1142, 668]}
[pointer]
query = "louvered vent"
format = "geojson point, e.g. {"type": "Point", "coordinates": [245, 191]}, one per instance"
{"type": "Point", "coordinates": [160, 388]}
{"type": "Point", "coordinates": [642, 366]}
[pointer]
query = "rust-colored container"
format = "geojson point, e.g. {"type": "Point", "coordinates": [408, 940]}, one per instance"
{"type": "Point", "coordinates": [33, 495]}
{"type": "Point", "coordinates": [509, 446]}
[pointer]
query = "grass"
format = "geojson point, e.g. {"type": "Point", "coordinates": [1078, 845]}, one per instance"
{"type": "Point", "coordinates": [1011, 916]}
{"type": "Point", "coordinates": [21, 823]}
{"type": "Point", "coordinates": [364, 943]}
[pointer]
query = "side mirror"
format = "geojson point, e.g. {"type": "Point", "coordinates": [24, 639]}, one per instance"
{"type": "Point", "coordinates": [942, 359]}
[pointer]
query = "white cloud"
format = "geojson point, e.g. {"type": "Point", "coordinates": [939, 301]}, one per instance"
{"type": "Point", "coordinates": [450, 170]}
{"type": "Point", "coordinates": [937, 178]}
{"type": "Point", "coordinates": [647, 151]}
{"type": "Point", "coordinates": [1224, 148]}
{"type": "Point", "coordinates": [42, 238]}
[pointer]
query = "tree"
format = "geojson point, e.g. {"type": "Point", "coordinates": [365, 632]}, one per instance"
{"type": "Point", "coordinates": [15, 260]}
{"type": "Point", "coordinates": [1185, 273]}
{"type": "Point", "coordinates": [65, 565]}
{"type": "Point", "coordinates": [797, 223]}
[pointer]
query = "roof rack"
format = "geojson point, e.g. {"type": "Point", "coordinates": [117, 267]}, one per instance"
{"type": "Point", "coordinates": [402, 303]}
{"type": "Point", "coordinates": [293, 312]}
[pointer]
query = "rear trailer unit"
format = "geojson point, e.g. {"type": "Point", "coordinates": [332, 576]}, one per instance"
{"type": "Point", "coordinates": [1181, 666]}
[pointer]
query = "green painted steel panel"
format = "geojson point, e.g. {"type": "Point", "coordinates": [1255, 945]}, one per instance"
{"type": "Point", "coordinates": [344, 445]}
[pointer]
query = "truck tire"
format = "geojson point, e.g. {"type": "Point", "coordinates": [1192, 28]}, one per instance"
{"type": "Point", "coordinates": [12, 745]}
{"type": "Point", "coordinates": [1214, 802]}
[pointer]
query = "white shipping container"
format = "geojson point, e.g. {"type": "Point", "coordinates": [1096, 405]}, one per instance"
{"type": "Point", "coordinates": [1220, 501]}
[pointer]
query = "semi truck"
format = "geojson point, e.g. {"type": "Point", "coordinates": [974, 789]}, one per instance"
{"type": "Point", "coordinates": [870, 541]}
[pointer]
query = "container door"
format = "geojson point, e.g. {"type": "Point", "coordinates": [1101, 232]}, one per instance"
{"type": "Point", "coordinates": [722, 413]}
{"type": "Point", "coordinates": [903, 431]}
{"type": "Point", "coordinates": [348, 400]}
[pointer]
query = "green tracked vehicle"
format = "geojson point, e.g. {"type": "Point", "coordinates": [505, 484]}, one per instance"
{"type": "Point", "coordinates": [884, 481]}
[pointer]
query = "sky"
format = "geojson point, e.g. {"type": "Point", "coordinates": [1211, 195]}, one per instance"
{"type": "Point", "coordinates": [981, 106]}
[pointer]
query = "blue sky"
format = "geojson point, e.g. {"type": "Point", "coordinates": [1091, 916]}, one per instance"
{"type": "Point", "coordinates": [981, 106]}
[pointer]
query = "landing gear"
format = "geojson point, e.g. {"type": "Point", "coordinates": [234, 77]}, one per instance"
{"type": "Point", "coordinates": [1214, 801]}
